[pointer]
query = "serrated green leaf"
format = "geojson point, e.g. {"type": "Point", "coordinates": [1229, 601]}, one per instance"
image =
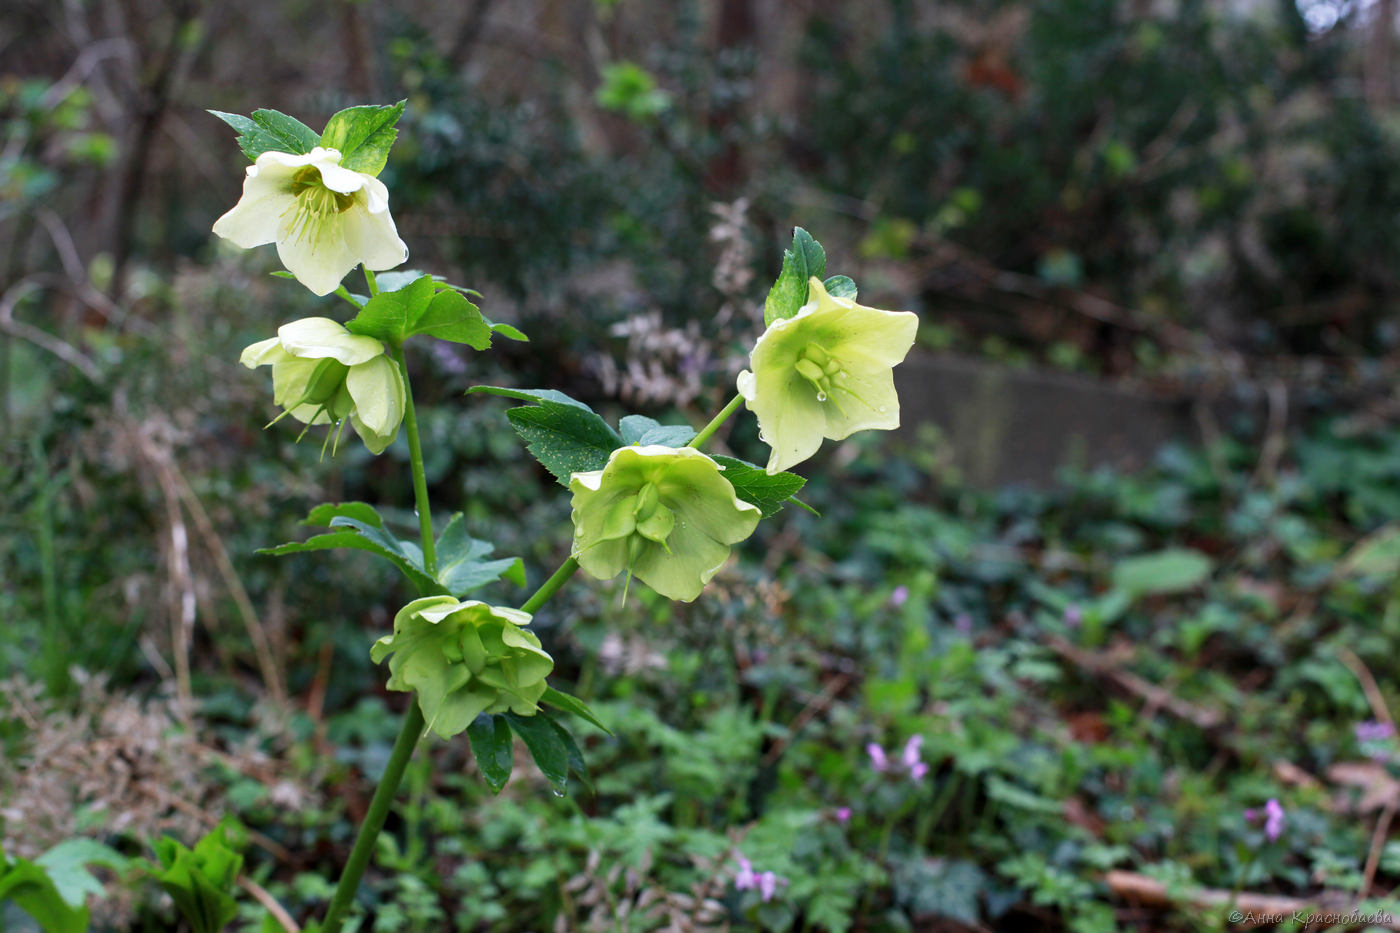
{"type": "Point", "coordinates": [269, 131]}
{"type": "Point", "coordinates": [564, 435]}
{"type": "Point", "coordinates": [460, 564]}
{"type": "Point", "coordinates": [753, 484]}
{"type": "Point", "coordinates": [390, 316]}
{"type": "Point", "coordinates": [493, 745]}
{"type": "Point", "coordinates": [812, 255]}
{"type": "Point", "coordinates": [572, 704]}
{"type": "Point", "coordinates": [529, 395]}
{"type": "Point", "coordinates": [542, 738]}
{"type": "Point", "coordinates": [788, 292]}
{"type": "Point", "coordinates": [450, 316]}
{"type": "Point", "coordinates": [639, 429]}
{"type": "Point", "coordinates": [359, 527]}
{"type": "Point", "coordinates": [508, 331]}
{"type": "Point", "coordinates": [841, 286]}
{"type": "Point", "coordinates": [364, 135]}
{"type": "Point", "coordinates": [294, 135]}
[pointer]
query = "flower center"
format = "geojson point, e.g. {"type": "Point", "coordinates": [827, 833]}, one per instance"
{"type": "Point", "coordinates": [819, 369]}
{"type": "Point", "coordinates": [314, 203]}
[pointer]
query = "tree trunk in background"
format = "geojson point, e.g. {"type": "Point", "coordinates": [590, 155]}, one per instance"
{"type": "Point", "coordinates": [1379, 83]}
{"type": "Point", "coordinates": [727, 171]}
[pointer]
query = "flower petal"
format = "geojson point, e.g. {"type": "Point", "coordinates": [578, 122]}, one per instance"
{"type": "Point", "coordinates": [321, 337]}
{"type": "Point", "coordinates": [371, 235]}
{"type": "Point", "coordinates": [267, 195]}
{"type": "Point", "coordinates": [792, 422]}
{"type": "Point", "coordinates": [683, 573]}
{"type": "Point", "coordinates": [264, 353]}
{"type": "Point", "coordinates": [337, 178]}
{"type": "Point", "coordinates": [377, 389]}
{"type": "Point", "coordinates": [319, 257]}
{"type": "Point", "coordinates": [860, 401]}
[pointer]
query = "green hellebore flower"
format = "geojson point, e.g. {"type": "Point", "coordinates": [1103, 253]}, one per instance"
{"type": "Point", "coordinates": [322, 373]}
{"type": "Point", "coordinates": [325, 218]}
{"type": "Point", "coordinates": [826, 372]}
{"type": "Point", "coordinates": [464, 658]}
{"type": "Point", "coordinates": [667, 515]}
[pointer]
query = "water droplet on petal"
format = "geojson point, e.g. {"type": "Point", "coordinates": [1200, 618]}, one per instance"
{"type": "Point", "coordinates": [821, 396]}
{"type": "Point", "coordinates": [883, 409]}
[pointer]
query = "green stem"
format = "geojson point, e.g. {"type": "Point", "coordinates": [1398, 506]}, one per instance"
{"type": "Point", "coordinates": [374, 818]}
{"type": "Point", "coordinates": [371, 282]}
{"type": "Point", "coordinates": [551, 586]}
{"type": "Point", "coordinates": [415, 453]}
{"type": "Point", "coordinates": [699, 440]}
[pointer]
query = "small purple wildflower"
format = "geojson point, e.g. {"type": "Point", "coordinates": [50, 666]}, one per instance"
{"type": "Point", "coordinates": [878, 760]}
{"type": "Point", "coordinates": [912, 760]}
{"type": "Point", "coordinates": [843, 814]}
{"type": "Point", "coordinates": [1074, 616]}
{"type": "Point", "coordinates": [1250, 814]}
{"type": "Point", "coordinates": [765, 883]}
{"type": "Point", "coordinates": [744, 878]}
{"type": "Point", "coordinates": [963, 623]}
{"type": "Point", "coordinates": [900, 595]}
{"type": "Point", "coordinates": [1273, 820]}
{"type": "Point", "coordinates": [1374, 731]}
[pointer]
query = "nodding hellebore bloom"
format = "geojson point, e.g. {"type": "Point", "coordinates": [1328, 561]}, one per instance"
{"type": "Point", "coordinates": [826, 372]}
{"type": "Point", "coordinates": [322, 374]}
{"type": "Point", "coordinates": [464, 658]}
{"type": "Point", "coordinates": [665, 514]}
{"type": "Point", "coordinates": [325, 219]}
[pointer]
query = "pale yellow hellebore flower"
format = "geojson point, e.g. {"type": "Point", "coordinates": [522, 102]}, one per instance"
{"type": "Point", "coordinates": [464, 658]}
{"type": "Point", "coordinates": [325, 219]}
{"type": "Point", "coordinates": [665, 514]}
{"type": "Point", "coordinates": [322, 374]}
{"type": "Point", "coordinates": [827, 372]}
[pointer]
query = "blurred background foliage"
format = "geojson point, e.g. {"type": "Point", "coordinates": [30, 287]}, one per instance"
{"type": "Point", "coordinates": [1190, 198]}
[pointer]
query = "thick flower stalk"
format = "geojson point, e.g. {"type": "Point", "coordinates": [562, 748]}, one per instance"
{"type": "Point", "coordinates": [325, 219]}
{"type": "Point", "coordinates": [464, 658]}
{"type": "Point", "coordinates": [323, 374]}
{"type": "Point", "coordinates": [827, 372]}
{"type": "Point", "coordinates": [666, 515]}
